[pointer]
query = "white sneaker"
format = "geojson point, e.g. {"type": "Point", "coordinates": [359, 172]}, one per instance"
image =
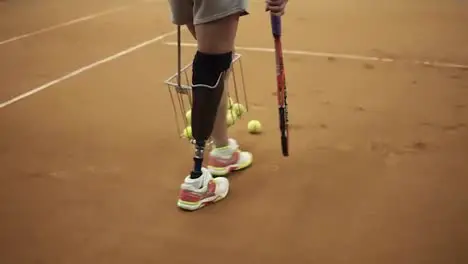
{"type": "Point", "coordinates": [222, 161]}
{"type": "Point", "coordinates": [197, 193]}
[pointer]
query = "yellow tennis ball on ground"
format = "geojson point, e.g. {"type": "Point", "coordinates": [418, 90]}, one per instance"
{"type": "Point", "coordinates": [238, 109]}
{"type": "Point", "coordinates": [187, 132]}
{"type": "Point", "coordinates": [188, 115]}
{"type": "Point", "coordinates": [254, 126]}
{"type": "Point", "coordinates": [230, 118]}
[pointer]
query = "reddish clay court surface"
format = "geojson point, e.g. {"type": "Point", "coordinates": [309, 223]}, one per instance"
{"type": "Point", "coordinates": [91, 164]}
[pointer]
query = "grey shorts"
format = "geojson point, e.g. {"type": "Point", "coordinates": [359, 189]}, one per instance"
{"type": "Point", "coordinates": [203, 11]}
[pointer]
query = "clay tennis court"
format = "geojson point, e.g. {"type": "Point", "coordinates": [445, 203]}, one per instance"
{"type": "Point", "coordinates": [90, 160]}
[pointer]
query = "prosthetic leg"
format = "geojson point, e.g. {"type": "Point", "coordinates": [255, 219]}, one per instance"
{"type": "Point", "coordinates": [204, 90]}
{"type": "Point", "coordinates": [207, 88]}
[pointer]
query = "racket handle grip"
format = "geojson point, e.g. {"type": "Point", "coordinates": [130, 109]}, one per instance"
{"type": "Point", "coordinates": [276, 25]}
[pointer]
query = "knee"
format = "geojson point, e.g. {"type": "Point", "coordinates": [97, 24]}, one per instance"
{"type": "Point", "coordinates": [208, 69]}
{"type": "Point", "coordinates": [217, 36]}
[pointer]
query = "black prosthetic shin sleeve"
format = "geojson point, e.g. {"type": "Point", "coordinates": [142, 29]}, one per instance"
{"type": "Point", "coordinates": [207, 88]}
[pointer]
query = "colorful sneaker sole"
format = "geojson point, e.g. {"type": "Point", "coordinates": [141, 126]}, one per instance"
{"type": "Point", "coordinates": [193, 206]}
{"type": "Point", "coordinates": [222, 171]}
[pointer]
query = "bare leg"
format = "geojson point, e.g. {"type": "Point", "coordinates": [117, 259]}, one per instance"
{"type": "Point", "coordinates": [217, 38]}
{"type": "Point", "coordinates": [220, 128]}
{"type": "Point", "coordinates": [211, 63]}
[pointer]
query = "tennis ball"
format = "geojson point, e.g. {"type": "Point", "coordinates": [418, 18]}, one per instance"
{"type": "Point", "coordinates": [188, 115]}
{"type": "Point", "coordinates": [254, 126]}
{"type": "Point", "coordinates": [230, 118]}
{"type": "Point", "coordinates": [238, 109]}
{"type": "Point", "coordinates": [187, 132]}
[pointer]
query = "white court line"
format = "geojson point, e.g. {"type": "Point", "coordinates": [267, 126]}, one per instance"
{"type": "Point", "coordinates": [334, 55]}
{"type": "Point", "coordinates": [65, 24]}
{"type": "Point", "coordinates": [298, 52]}
{"type": "Point", "coordinates": [84, 69]}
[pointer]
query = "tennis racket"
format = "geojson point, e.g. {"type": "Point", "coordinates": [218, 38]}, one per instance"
{"type": "Point", "coordinates": [281, 85]}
